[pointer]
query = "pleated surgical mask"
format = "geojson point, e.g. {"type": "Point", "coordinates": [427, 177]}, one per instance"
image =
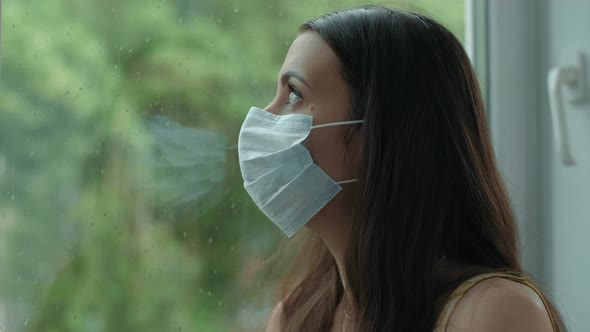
{"type": "Point", "coordinates": [278, 171]}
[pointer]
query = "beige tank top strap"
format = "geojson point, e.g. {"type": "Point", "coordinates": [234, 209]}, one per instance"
{"type": "Point", "coordinates": [458, 293]}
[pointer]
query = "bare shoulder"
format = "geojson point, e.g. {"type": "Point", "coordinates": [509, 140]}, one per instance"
{"type": "Point", "coordinates": [274, 322]}
{"type": "Point", "coordinates": [498, 304]}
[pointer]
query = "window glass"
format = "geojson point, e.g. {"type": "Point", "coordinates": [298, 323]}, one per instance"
{"type": "Point", "coordinates": [121, 201]}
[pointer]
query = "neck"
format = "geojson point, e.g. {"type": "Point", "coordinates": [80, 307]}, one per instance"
{"type": "Point", "coordinates": [334, 234]}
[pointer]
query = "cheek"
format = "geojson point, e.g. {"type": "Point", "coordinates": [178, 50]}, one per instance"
{"type": "Point", "coordinates": [327, 148]}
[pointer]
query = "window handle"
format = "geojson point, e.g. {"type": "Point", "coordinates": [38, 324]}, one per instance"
{"type": "Point", "coordinates": [574, 77]}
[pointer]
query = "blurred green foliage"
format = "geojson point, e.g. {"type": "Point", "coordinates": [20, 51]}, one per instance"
{"type": "Point", "coordinates": [98, 231]}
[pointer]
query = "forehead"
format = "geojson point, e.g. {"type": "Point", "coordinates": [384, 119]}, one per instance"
{"type": "Point", "coordinates": [313, 58]}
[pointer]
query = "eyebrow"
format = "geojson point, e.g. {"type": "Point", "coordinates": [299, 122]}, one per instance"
{"type": "Point", "coordinates": [289, 74]}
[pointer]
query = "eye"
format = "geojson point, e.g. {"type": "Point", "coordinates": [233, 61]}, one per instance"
{"type": "Point", "coordinates": [294, 95]}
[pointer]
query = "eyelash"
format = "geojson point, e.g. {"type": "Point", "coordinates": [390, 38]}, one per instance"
{"type": "Point", "coordinates": [295, 92]}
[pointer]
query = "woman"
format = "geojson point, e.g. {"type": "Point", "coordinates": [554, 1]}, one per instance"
{"type": "Point", "coordinates": [377, 142]}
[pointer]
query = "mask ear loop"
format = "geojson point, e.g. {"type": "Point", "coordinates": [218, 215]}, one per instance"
{"type": "Point", "coordinates": [346, 181]}
{"type": "Point", "coordinates": [341, 123]}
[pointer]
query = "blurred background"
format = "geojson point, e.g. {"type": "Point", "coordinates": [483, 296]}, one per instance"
{"type": "Point", "coordinates": [121, 200]}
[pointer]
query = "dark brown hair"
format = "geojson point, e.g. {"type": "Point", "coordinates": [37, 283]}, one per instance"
{"type": "Point", "coordinates": [433, 210]}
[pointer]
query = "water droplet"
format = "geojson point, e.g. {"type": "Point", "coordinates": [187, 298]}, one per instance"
{"type": "Point", "coordinates": [236, 10]}
{"type": "Point", "coordinates": [209, 293]}
{"type": "Point", "coordinates": [210, 240]}
{"type": "Point", "coordinates": [12, 197]}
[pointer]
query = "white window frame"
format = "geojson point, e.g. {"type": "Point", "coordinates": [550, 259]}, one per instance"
{"type": "Point", "coordinates": [508, 59]}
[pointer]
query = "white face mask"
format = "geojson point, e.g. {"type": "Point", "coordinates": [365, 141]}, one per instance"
{"type": "Point", "coordinates": [278, 171]}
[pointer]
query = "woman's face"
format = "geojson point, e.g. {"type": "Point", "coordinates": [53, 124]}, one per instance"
{"type": "Point", "coordinates": [310, 82]}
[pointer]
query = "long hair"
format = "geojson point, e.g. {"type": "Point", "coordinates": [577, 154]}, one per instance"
{"type": "Point", "coordinates": [432, 207]}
